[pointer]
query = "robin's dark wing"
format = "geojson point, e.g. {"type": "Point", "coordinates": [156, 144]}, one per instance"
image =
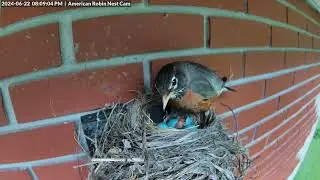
{"type": "Point", "coordinates": [203, 87]}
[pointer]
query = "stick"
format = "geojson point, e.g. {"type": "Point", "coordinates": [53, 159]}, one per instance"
{"type": "Point", "coordinates": [117, 160]}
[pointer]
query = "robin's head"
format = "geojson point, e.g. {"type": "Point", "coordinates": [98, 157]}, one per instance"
{"type": "Point", "coordinates": [171, 83]}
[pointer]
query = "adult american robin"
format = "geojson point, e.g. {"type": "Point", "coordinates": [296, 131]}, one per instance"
{"type": "Point", "coordinates": [189, 86]}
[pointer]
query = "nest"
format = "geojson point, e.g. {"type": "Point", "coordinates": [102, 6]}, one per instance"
{"type": "Point", "coordinates": [129, 145]}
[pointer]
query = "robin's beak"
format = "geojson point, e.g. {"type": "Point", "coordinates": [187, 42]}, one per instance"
{"type": "Point", "coordinates": [165, 100]}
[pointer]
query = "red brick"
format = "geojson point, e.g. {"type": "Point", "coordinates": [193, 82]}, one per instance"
{"type": "Point", "coordinates": [260, 63]}
{"type": "Point", "coordinates": [300, 76]}
{"type": "Point", "coordinates": [219, 63]}
{"type": "Point", "coordinates": [296, 19]}
{"type": "Point", "coordinates": [306, 8]}
{"type": "Point", "coordinates": [288, 164]}
{"type": "Point", "coordinates": [15, 175]}
{"type": "Point", "coordinates": [229, 124]}
{"type": "Point", "coordinates": [237, 32]}
{"type": "Point", "coordinates": [270, 124]}
{"type": "Point", "coordinates": [276, 157]}
{"type": "Point", "coordinates": [284, 37]}
{"type": "Point", "coordinates": [288, 98]}
{"type": "Point", "coordinates": [245, 94]}
{"type": "Point", "coordinates": [278, 84]}
{"type": "Point", "coordinates": [305, 41]}
{"type": "Point", "coordinates": [3, 117]}
{"type": "Point", "coordinates": [312, 57]}
{"type": "Point", "coordinates": [234, 5]}
{"type": "Point", "coordinates": [312, 28]}
{"type": "Point", "coordinates": [264, 155]}
{"type": "Point", "coordinates": [311, 97]}
{"type": "Point", "coordinates": [250, 175]}
{"type": "Point", "coordinates": [262, 8]}
{"type": "Point", "coordinates": [284, 138]}
{"type": "Point", "coordinates": [316, 82]}
{"type": "Point", "coordinates": [253, 115]}
{"type": "Point", "coordinates": [277, 133]}
{"type": "Point", "coordinates": [38, 144]}
{"type": "Point", "coordinates": [294, 59]}
{"type": "Point", "coordinates": [265, 165]}
{"type": "Point", "coordinates": [294, 109]}
{"type": "Point", "coordinates": [257, 147]}
{"type": "Point", "coordinates": [30, 50]}
{"type": "Point", "coordinates": [134, 34]}
{"type": "Point", "coordinates": [269, 175]}
{"type": "Point", "coordinates": [293, 95]}
{"type": "Point", "coordinates": [61, 171]}
{"type": "Point", "coordinates": [316, 43]}
{"type": "Point", "coordinates": [246, 138]}
{"type": "Point", "coordinates": [76, 92]}
{"type": "Point", "coordinates": [313, 71]}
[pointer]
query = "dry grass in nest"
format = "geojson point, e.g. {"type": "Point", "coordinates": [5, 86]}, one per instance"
{"type": "Point", "coordinates": [129, 145]}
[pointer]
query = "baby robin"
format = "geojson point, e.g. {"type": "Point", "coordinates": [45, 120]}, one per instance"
{"type": "Point", "coordinates": [189, 86]}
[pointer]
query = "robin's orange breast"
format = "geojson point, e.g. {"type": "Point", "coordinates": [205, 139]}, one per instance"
{"type": "Point", "coordinates": [193, 102]}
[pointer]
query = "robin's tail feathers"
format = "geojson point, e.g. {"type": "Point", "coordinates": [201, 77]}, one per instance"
{"type": "Point", "coordinates": [230, 89]}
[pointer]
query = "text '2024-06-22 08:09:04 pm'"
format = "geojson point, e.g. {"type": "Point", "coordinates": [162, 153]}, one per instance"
{"type": "Point", "coordinates": [36, 3]}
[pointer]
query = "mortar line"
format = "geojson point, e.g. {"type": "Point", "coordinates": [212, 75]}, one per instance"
{"type": "Point", "coordinates": [294, 8]}
{"type": "Point", "coordinates": [266, 143]}
{"type": "Point", "coordinates": [8, 106]}
{"type": "Point", "coordinates": [265, 88]}
{"type": "Point", "coordinates": [81, 139]}
{"type": "Point", "coordinates": [277, 163]}
{"type": "Point", "coordinates": [280, 125]}
{"type": "Point", "coordinates": [271, 144]}
{"type": "Point", "coordinates": [145, 2]}
{"type": "Point", "coordinates": [246, 6]}
{"type": "Point", "coordinates": [293, 144]}
{"type": "Point", "coordinates": [285, 144]}
{"type": "Point", "coordinates": [244, 61]}
{"type": "Point", "coordinates": [139, 8]}
{"type": "Point", "coordinates": [270, 38]}
{"type": "Point", "coordinates": [303, 150]}
{"type": "Point", "coordinates": [266, 119]}
{"type": "Point", "coordinates": [255, 131]}
{"type": "Point", "coordinates": [315, 6]}
{"type": "Point", "coordinates": [42, 162]}
{"type": "Point", "coordinates": [138, 58]}
{"type": "Point", "coordinates": [262, 101]}
{"type": "Point", "coordinates": [278, 103]}
{"type": "Point", "coordinates": [270, 75]}
{"type": "Point", "coordinates": [32, 173]}
{"type": "Point", "coordinates": [43, 123]}
{"type": "Point", "coordinates": [312, 41]}
{"type": "Point", "coordinates": [298, 35]}
{"type": "Point", "coordinates": [66, 41]}
{"type": "Point", "coordinates": [76, 117]}
{"type": "Point", "coordinates": [206, 31]}
{"type": "Point", "coordinates": [147, 76]}
{"type": "Point", "coordinates": [287, 15]}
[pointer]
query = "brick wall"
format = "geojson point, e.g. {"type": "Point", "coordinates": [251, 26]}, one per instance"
{"type": "Point", "coordinates": [59, 63]}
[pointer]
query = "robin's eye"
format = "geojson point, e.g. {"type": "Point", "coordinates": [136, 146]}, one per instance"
{"type": "Point", "coordinates": [174, 82]}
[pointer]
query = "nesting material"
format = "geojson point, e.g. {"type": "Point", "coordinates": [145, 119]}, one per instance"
{"type": "Point", "coordinates": [130, 145]}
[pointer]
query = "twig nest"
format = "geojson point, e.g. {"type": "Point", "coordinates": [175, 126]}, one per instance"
{"type": "Point", "coordinates": [130, 145]}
